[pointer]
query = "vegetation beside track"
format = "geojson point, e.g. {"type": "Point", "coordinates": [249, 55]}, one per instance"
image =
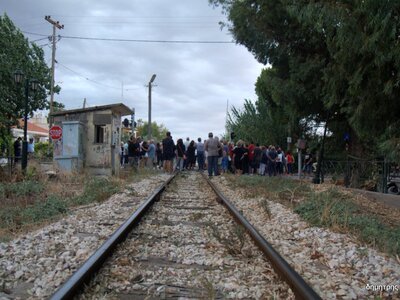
{"type": "Point", "coordinates": [326, 206]}
{"type": "Point", "coordinates": [29, 201]}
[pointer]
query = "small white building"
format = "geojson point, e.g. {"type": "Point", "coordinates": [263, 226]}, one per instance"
{"type": "Point", "coordinates": [90, 139]}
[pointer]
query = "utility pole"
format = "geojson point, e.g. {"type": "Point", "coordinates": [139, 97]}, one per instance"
{"type": "Point", "coordinates": [149, 125]}
{"type": "Point", "coordinates": [56, 24]}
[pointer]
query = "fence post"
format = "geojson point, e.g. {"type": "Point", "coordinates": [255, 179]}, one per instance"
{"type": "Point", "coordinates": [385, 176]}
{"type": "Point", "coordinates": [299, 161]}
{"type": "Point", "coordinates": [347, 175]}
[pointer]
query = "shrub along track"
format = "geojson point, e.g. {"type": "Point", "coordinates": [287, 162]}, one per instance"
{"type": "Point", "coordinates": [186, 246]}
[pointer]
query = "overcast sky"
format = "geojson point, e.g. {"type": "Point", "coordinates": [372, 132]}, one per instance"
{"type": "Point", "coordinates": [194, 80]}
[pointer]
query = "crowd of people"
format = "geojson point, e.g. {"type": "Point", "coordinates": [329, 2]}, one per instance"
{"type": "Point", "coordinates": [214, 155]}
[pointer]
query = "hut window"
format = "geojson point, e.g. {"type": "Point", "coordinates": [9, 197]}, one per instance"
{"type": "Point", "coordinates": [99, 134]}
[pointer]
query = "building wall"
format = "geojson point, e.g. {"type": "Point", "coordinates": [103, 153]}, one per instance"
{"type": "Point", "coordinates": [98, 158]}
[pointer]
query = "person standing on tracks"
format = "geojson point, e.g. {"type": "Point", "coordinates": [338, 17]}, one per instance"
{"type": "Point", "coordinates": [133, 152]}
{"type": "Point", "coordinates": [211, 146]}
{"type": "Point", "coordinates": [180, 155]}
{"type": "Point", "coordinates": [159, 155]}
{"type": "Point", "coordinates": [185, 161]}
{"type": "Point", "coordinates": [200, 154]}
{"type": "Point", "coordinates": [271, 165]}
{"type": "Point", "coordinates": [238, 156]}
{"type": "Point", "coordinates": [168, 147]}
{"type": "Point", "coordinates": [191, 155]}
{"type": "Point", "coordinates": [152, 154]}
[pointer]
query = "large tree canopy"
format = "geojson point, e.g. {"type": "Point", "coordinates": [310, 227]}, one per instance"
{"type": "Point", "coordinates": [335, 61]}
{"type": "Point", "coordinates": [16, 53]}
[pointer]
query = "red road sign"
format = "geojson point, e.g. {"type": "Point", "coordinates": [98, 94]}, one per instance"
{"type": "Point", "coordinates": [55, 132]}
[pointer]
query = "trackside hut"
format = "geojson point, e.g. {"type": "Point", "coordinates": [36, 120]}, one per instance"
{"type": "Point", "coordinates": [90, 139]}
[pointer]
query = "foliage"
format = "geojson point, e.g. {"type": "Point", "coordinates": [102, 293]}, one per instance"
{"type": "Point", "coordinates": [329, 61]}
{"type": "Point", "coordinates": [252, 124]}
{"type": "Point", "coordinates": [5, 141]}
{"type": "Point", "coordinates": [44, 210]}
{"type": "Point", "coordinates": [43, 150]}
{"type": "Point", "coordinates": [20, 189]}
{"type": "Point", "coordinates": [96, 190]}
{"type": "Point", "coordinates": [158, 132]}
{"type": "Point", "coordinates": [13, 217]}
{"type": "Point", "coordinates": [16, 53]}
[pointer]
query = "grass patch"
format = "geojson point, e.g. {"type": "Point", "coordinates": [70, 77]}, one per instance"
{"type": "Point", "coordinates": [34, 201]}
{"type": "Point", "coordinates": [96, 189]}
{"type": "Point", "coordinates": [13, 218]}
{"type": "Point", "coordinates": [335, 210]}
{"type": "Point", "coordinates": [20, 189]}
{"type": "Point", "coordinates": [277, 188]}
{"type": "Point", "coordinates": [44, 210]}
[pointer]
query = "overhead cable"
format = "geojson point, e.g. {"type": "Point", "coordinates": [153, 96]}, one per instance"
{"type": "Point", "coordinates": [137, 40]}
{"type": "Point", "coordinates": [93, 81]}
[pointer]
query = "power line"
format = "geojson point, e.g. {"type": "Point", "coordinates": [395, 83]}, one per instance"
{"type": "Point", "coordinates": [93, 81]}
{"type": "Point", "coordinates": [147, 41]}
{"type": "Point", "coordinates": [138, 17]}
{"type": "Point", "coordinates": [34, 41]}
{"type": "Point", "coordinates": [137, 40]}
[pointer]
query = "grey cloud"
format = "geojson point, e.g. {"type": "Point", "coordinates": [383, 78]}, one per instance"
{"type": "Point", "coordinates": [194, 81]}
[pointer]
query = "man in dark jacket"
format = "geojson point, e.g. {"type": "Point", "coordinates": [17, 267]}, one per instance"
{"type": "Point", "coordinates": [133, 152]}
{"type": "Point", "coordinates": [168, 152]}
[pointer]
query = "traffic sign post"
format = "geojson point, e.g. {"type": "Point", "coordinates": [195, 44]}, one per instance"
{"type": "Point", "coordinates": [55, 132]}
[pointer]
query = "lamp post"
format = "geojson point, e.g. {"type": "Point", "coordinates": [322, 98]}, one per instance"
{"type": "Point", "coordinates": [149, 125]}
{"type": "Point", "coordinates": [32, 84]}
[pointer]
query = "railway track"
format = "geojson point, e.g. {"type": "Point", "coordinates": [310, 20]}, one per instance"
{"type": "Point", "coordinates": [185, 246]}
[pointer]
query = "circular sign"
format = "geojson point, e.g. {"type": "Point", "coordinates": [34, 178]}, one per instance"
{"type": "Point", "coordinates": [55, 132]}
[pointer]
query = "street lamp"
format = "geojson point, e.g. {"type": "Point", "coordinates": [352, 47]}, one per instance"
{"type": "Point", "coordinates": [149, 125]}
{"type": "Point", "coordinates": [33, 85]}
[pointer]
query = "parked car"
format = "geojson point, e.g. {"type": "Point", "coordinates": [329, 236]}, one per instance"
{"type": "Point", "coordinates": [394, 186]}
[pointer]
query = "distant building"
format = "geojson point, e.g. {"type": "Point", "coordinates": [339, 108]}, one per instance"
{"type": "Point", "coordinates": [90, 139]}
{"type": "Point", "coordinates": [38, 133]}
{"type": "Point", "coordinates": [40, 120]}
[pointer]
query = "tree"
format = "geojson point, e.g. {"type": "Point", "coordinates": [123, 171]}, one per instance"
{"type": "Point", "coordinates": [331, 61]}
{"type": "Point", "coordinates": [158, 132]}
{"type": "Point", "coordinates": [16, 53]}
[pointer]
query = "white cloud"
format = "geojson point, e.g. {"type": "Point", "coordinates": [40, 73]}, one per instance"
{"type": "Point", "coordinates": [193, 83]}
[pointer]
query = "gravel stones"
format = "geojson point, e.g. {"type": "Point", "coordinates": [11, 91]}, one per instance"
{"type": "Point", "coordinates": [335, 265]}
{"type": "Point", "coordinates": [34, 265]}
{"type": "Point", "coordinates": [188, 247]}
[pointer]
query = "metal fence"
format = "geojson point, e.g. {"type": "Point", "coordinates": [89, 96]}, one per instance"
{"type": "Point", "coordinates": [374, 175]}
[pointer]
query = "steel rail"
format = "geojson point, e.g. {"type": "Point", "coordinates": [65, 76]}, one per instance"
{"type": "Point", "coordinates": [84, 274]}
{"type": "Point", "coordinates": [299, 287]}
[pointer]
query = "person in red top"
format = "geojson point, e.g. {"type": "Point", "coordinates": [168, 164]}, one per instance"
{"type": "Point", "coordinates": [231, 166]}
{"type": "Point", "coordinates": [289, 162]}
{"type": "Point", "coordinates": [251, 156]}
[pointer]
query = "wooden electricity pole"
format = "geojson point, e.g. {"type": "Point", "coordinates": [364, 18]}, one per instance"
{"type": "Point", "coordinates": [56, 24]}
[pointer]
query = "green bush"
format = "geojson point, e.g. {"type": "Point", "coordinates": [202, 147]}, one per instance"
{"type": "Point", "coordinates": [10, 217]}
{"type": "Point", "coordinates": [96, 190]}
{"type": "Point", "coordinates": [20, 189]}
{"type": "Point", "coordinates": [43, 150]}
{"type": "Point", "coordinates": [44, 210]}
